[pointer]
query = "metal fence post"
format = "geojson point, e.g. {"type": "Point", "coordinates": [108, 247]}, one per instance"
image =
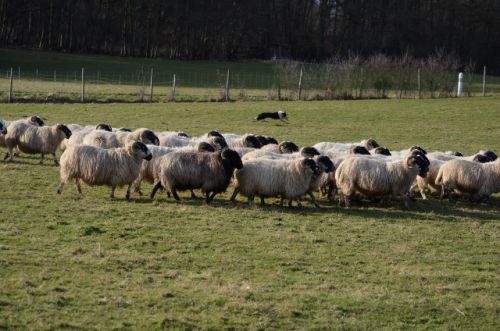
{"type": "Point", "coordinates": [82, 97]}
{"type": "Point", "coordinates": [484, 81]}
{"type": "Point", "coordinates": [151, 86]}
{"type": "Point", "coordinates": [10, 85]}
{"type": "Point", "coordinates": [300, 84]}
{"type": "Point", "coordinates": [226, 94]}
{"type": "Point", "coordinates": [418, 83]}
{"type": "Point", "coordinates": [173, 89]}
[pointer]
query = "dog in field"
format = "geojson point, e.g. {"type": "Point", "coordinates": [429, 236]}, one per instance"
{"type": "Point", "coordinates": [277, 115]}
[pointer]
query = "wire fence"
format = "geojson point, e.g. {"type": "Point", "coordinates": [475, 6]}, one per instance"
{"type": "Point", "coordinates": [290, 82]}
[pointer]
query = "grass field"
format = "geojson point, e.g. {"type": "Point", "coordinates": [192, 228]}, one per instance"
{"type": "Point", "coordinates": [70, 262]}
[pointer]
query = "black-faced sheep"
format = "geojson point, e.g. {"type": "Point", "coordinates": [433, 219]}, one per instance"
{"type": "Point", "coordinates": [97, 166]}
{"type": "Point", "coordinates": [288, 179]}
{"type": "Point", "coordinates": [32, 139]}
{"type": "Point", "coordinates": [104, 139]}
{"type": "Point", "coordinates": [210, 172]}
{"type": "Point", "coordinates": [374, 177]}
{"type": "Point", "coordinates": [480, 180]}
{"type": "Point", "coordinates": [33, 120]}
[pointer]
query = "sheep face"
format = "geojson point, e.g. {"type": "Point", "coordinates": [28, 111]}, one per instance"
{"type": "Point", "coordinates": [481, 158]}
{"type": "Point", "coordinates": [142, 150]}
{"type": "Point", "coordinates": [205, 147]}
{"type": "Point", "coordinates": [105, 127]}
{"type": "Point", "coordinates": [232, 158]}
{"type": "Point", "coordinates": [421, 162]}
{"type": "Point", "coordinates": [262, 140]}
{"type": "Point", "coordinates": [64, 129]}
{"type": "Point", "coordinates": [36, 120]}
{"type": "Point", "coordinates": [219, 141]}
{"type": "Point", "coordinates": [325, 163]}
{"type": "Point", "coordinates": [214, 133]}
{"type": "Point", "coordinates": [371, 144]}
{"type": "Point", "coordinates": [309, 152]}
{"type": "Point", "coordinates": [3, 128]}
{"type": "Point", "coordinates": [271, 140]}
{"type": "Point", "coordinates": [149, 137]}
{"type": "Point", "coordinates": [124, 130]}
{"type": "Point", "coordinates": [457, 154]}
{"type": "Point", "coordinates": [382, 151]}
{"type": "Point", "coordinates": [182, 134]}
{"type": "Point", "coordinates": [491, 155]}
{"type": "Point", "coordinates": [418, 148]}
{"type": "Point", "coordinates": [312, 166]}
{"type": "Point", "coordinates": [360, 150]}
{"type": "Point", "coordinates": [252, 141]}
{"type": "Point", "coordinates": [288, 147]}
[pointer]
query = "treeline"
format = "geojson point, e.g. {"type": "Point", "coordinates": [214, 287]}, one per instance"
{"type": "Point", "coordinates": [311, 30]}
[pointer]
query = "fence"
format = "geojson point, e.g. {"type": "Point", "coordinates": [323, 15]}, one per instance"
{"type": "Point", "coordinates": [287, 82]}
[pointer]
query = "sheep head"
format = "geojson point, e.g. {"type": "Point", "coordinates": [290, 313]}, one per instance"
{"type": "Point", "coordinates": [481, 158]}
{"type": "Point", "coordinates": [359, 150]}
{"type": "Point", "coordinates": [231, 158]}
{"type": "Point", "coordinates": [382, 151]}
{"type": "Point", "coordinates": [219, 141]}
{"type": "Point", "coordinates": [457, 154]}
{"type": "Point", "coordinates": [105, 127]}
{"type": "Point", "coordinates": [271, 140]}
{"type": "Point", "coordinates": [325, 163]}
{"type": "Point", "coordinates": [148, 136]}
{"type": "Point", "coordinates": [371, 144]}
{"type": "Point", "coordinates": [311, 166]}
{"type": "Point", "coordinates": [418, 148]}
{"type": "Point", "coordinates": [3, 128]}
{"type": "Point", "coordinates": [64, 129]}
{"type": "Point", "coordinates": [287, 147]}
{"type": "Point", "coordinates": [205, 147]}
{"type": "Point", "coordinates": [421, 161]}
{"type": "Point", "coordinates": [182, 134]}
{"type": "Point", "coordinates": [214, 133]}
{"type": "Point", "coordinates": [252, 141]}
{"type": "Point", "coordinates": [309, 152]}
{"type": "Point", "coordinates": [37, 120]}
{"type": "Point", "coordinates": [491, 155]}
{"type": "Point", "coordinates": [141, 149]}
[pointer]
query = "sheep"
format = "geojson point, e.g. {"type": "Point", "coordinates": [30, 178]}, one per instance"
{"type": "Point", "coordinates": [480, 180]}
{"type": "Point", "coordinates": [148, 168]}
{"type": "Point", "coordinates": [97, 166]}
{"type": "Point", "coordinates": [242, 151]}
{"type": "Point", "coordinates": [326, 168]}
{"type": "Point", "coordinates": [283, 148]}
{"type": "Point", "coordinates": [79, 132]}
{"type": "Point", "coordinates": [3, 128]}
{"type": "Point", "coordinates": [174, 140]}
{"type": "Point", "coordinates": [369, 144]}
{"type": "Point", "coordinates": [104, 139]}
{"type": "Point", "coordinates": [262, 153]}
{"type": "Point", "coordinates": [210, 172]}
{"type": "Point", "coordinates": [289, 179]}
{"type": "Point", "coordinates": [381, 151]}
{"type": "Point", "coordinates": [375, 177]}
{"type": "Point", "coordinates": [33, 139]}
{"type": "Point", "coordinates": [33, 120]}
{"type": "Point", "coordinates": [247, 140]}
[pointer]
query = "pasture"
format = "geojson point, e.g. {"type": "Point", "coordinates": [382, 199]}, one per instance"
{"type": "Point", "coordinates": [91, 262]}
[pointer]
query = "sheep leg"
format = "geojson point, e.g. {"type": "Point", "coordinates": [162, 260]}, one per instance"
{"type": "Point", "coordinates": [112, 195]}
{"type": "Point", "coordinates": [78, 186]}
{"type": "Point", "coordinates": [289, 203]}
{"type": "Point", "coordinates": [281, 201]}
{"type": "Point", "coordinates": [55, 159]}
{"type": "Point", "coordinates": [41, 158]}
{"type": "Point", "coordinates": [313, 199]}
{"type": "Point", "coordinates": [174, 193]}
{"type": "Point", "coordinates": [262, 202]}
{"type": "Point", "coordinates": [235, 193]}
{"type": "Point", "coordinates": [7, 156]}
{"type": "Point", "coordinates": [211, 197]}
{"type": "Point", "coordinates": [60, 187]}
{"type": "Point", "coordinates": [250, 200]}
{"type": "Point", "coordinates": [299, 204]}
{"type": "Point", "coordinates": [155, 188]}
{"type": "Point", "coordinates": [137, 188]}
{"type": "Point", "coordinates": [193, 196]}
{"type": "Point", "coordinates": [127, 196]}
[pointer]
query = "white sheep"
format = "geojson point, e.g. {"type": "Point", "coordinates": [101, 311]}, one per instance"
{"type": "Point", "coordinates": [97, 166]}
{"type": "Point", "coordinates": [288, 179]}
{"type": "Point", "coordinates": [104, 139]}
{"type": "Point", "coordinates": [375, 177]}
{"type": "Point", "coordinates": [33, 120]}
{"type": "Point", "coordinates": [480, 180]}
{"type": "Point", "coordinates": [32, 139]}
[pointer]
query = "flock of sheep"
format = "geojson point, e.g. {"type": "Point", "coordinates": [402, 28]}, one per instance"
{"type": "Point", "coordinates": [256, 165]}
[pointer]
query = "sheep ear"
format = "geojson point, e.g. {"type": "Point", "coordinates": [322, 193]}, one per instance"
{"type": "Point", "coordinates": [410, 161]}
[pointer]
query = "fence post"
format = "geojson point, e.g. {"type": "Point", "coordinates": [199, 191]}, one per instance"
{"type": "Point", "coordinates": [279, 91]}
{"type": "Point", "coordinates": [151, 86]}
{"type": "Point", "coordinates": [36, 74]}
{"type": "Point", "coordinates": [82, 97]}
{"type": "Point", "coordinates": [10, 85]}
{"type": "Point", "coordinates": [418, 83]}
{"type": "Point", "coordinates": [300, 84]}
{"type": "Point", "coordinates": [19, 73]}
{"type": "Point", "coordinates": [226, 94]}
{"type": "Point", "coordinates": [484, 81]}
{"type": "Point", "coordinates": [55, 76]}
{"type": "Point", "coordinates": [173, 89]}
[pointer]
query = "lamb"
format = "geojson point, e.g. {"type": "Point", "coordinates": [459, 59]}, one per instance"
{"type": "Point", "coordinates": [96, 166]}
{"type": "Point", "coordinates": [480, 180]}
{"type": "Point", "coordinates": [148, 168]}
{"type": "Point", "coordinates": [289, 179]}
{"type": "Point", "coordinates": [375, 177]}
{"type": "Point", "coordinates": [33, 120]}
{"type": "Point", "coordinates": [32, 139]}
{"type": "Point", "coordinates": [210, 172]}
{"type": "Point", "coordinates": [103, 139]}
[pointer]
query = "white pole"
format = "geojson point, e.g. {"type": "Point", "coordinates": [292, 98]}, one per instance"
{"type": "Point", "coordinates": [460, 84]}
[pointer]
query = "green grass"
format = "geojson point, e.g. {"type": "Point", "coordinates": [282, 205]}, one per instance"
{"type": "Point", "coordinates": [70, 262]}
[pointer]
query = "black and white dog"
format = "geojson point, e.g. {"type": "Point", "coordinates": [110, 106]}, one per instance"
{"type": "Point", "coordinates": [277, 115]}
